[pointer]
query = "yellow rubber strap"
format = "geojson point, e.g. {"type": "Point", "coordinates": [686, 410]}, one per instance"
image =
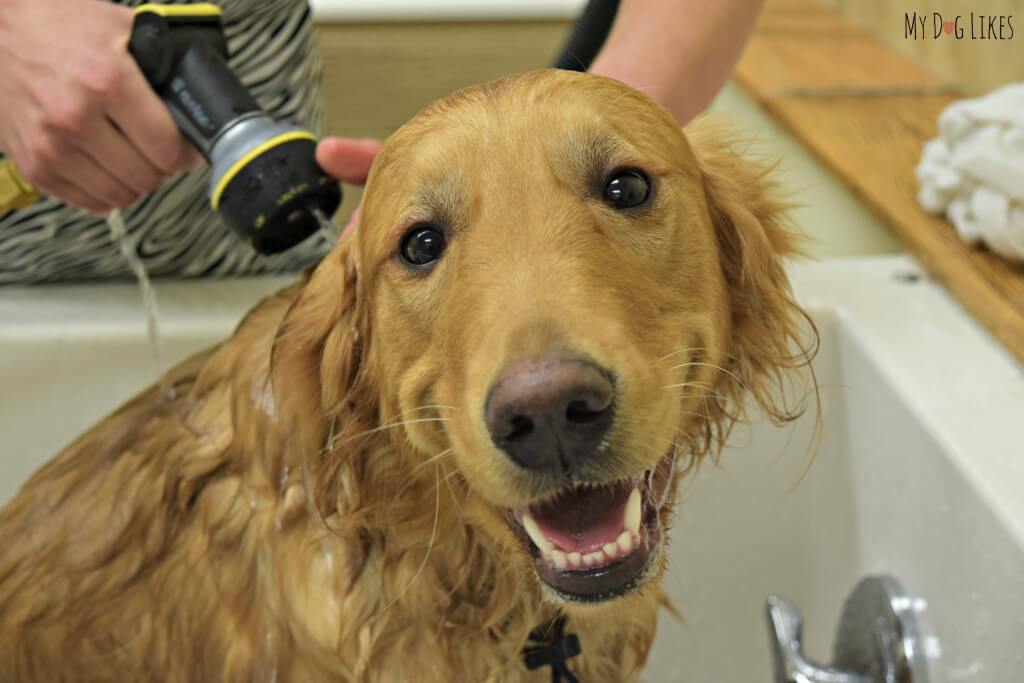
{"type": "Point", "coordinates": [202, 9]}
{"type": "Point", "coordinates": [252, 154]}
{"type": "Point", "coordinates": [15, 191]}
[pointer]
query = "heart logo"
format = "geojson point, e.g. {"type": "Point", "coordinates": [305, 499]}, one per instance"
{"type": "Point", "coordinates": [948, 27]}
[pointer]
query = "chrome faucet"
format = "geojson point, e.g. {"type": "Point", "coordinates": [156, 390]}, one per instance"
{"type": "Point", "coordinates": [879, 638]}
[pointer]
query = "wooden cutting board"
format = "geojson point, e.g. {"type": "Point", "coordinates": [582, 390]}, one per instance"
{"type": "Point", "coordinates": [866, 110]}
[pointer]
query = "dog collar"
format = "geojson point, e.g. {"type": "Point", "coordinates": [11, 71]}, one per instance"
{"type": "Point", "coordinates": [552, 646]}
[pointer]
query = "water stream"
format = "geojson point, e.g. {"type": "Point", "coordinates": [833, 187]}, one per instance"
{"type": "Point", "coordinates": [128, 249]}
{"type": "Point", "coordinates": [328, 231]}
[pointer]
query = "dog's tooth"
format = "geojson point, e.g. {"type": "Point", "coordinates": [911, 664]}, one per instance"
{"type": "Point", "coordinates": [535, 534]}
{"type": "Point", "coordinates": [594, 558]}
{"type": "Point", "coordinates": [625, 542]}
{"type": "Point", "coordinates": [575, 560]}
{"type": "Point", "coordinates": [559, 558]}
{"type": "Point", "coordinates": [611, 550]}
{"type": "Point", "coordinates": [631, 519]}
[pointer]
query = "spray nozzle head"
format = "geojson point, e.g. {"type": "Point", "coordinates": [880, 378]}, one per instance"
{"type": "Point", "coordinates": [271, 196]}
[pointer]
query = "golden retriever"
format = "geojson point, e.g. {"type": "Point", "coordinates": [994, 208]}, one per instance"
{"type": "Point", "coordinates": [467, 421]}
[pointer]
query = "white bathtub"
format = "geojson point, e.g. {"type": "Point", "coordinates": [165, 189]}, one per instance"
{"type": "Point", "coordinates": [920, 474]}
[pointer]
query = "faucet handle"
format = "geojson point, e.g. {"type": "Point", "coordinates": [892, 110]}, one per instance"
{"type": "Point", "coordinates": [785, 625]}
{"type": "Point", "coordinates": [879, 639]}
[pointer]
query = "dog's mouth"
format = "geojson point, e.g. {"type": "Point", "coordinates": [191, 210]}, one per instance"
{"type": "Point", "coordinates": [592, 543]}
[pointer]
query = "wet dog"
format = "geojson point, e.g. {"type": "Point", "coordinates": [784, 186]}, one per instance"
{"type": "Point", "coordinates": [467, 421]}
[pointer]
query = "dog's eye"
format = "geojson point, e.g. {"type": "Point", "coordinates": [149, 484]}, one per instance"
{"type": "Point", "coordinates": [423, 245]}
{"type": "Point", "coordinates": [627, 189]}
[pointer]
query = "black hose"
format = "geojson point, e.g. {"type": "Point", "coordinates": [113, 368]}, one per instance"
{"type": "Point", "coordinates": [589, 34]}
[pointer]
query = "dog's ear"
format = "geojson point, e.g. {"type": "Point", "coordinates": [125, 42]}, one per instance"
{"type": "Point", "coordinates": [318, 361]}
{"type": "Point", "coordinates": [769, 335]}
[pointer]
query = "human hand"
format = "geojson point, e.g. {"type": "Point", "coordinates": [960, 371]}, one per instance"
{"type": "Point", "coordinates": [349, 161]}
{"type": "Point", "coordinates": [78, 117]}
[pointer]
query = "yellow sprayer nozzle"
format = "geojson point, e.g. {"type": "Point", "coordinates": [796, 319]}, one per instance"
{"type": "Point", "coordinates": [15, 191]}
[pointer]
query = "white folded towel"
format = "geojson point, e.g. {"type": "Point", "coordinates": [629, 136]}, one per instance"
{"type": "Point", "coordinates": [974, 170]}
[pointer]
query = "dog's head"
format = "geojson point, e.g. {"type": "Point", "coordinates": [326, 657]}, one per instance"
{"type": "Point", "coordinates": [557, 295]}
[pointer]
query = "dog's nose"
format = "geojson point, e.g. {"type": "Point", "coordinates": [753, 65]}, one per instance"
{"type": "Point", "coordinates": [550, 413]}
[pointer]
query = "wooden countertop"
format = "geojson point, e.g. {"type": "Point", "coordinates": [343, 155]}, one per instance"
{"type": "Point", "coordinates": [866, 110]}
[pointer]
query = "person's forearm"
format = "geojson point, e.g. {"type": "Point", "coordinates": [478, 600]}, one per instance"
{"type": "Point", "coordinates": [680, 52]}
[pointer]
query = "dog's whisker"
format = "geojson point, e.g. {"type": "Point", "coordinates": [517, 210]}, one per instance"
{"type": "Point", "coordinates": [708, 390]}
{"type": "Point", "coordinates": [679, 353]}
{"type": "Point", "coordinates": [701, 395]}
{"type": "Point", "coordinates": [433, 459]}
{"type": "Point", "coordinates": [451, 474]}
{"type": "Point", "coordinates": [702, 416]}
{"type": "Point", "coordinates": [430, 545]}
{"type": "Point", "coordinates": [329, 447]}
{"type": "Point", "coordinates": [428, 407]}
{"type": "Point", "coordinates": [658, 442]}
{"type": "Point", "coordinates": [682, 385]}
{"type": "Point", "coordinates": [712, 365]}
{"type": "Point", "coordinates": [442, 454]}
{"type": "Point", "coordinates": [693, 442]}
{"type": "Point", "coordinates": [691, 349]}
{"type": "Point", "coordinates": [447, 483]}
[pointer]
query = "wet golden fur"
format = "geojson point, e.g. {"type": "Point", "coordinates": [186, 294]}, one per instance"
{"type": "Point", "coordinates": [320, 500]}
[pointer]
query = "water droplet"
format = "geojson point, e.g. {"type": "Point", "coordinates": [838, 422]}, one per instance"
{"type": "Point", "coordinates": [283, 483]}
{"type": "Point", "coordinates": [325, 548]}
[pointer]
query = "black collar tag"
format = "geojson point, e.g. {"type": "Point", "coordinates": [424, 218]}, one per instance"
{"type": "Point", "coordinates": [555, 648]}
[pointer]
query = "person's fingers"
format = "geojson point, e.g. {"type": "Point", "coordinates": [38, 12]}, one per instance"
{"type": "Point", "coordinates": [71, 194]}
{"type": "Point", "coordinates": [83, 172]}
{"type": "Point", "coordinates": [146, 122]}
{"type": "Point", "coordinates": [57, 170]}
{"type": "Point", "coordinates": [110, 149]}
{"type": "Point", "coordinates": [191, 158]}
{"type": "Point", "coordinates": [346, 159]}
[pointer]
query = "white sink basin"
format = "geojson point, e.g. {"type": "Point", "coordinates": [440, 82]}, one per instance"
{"type": "Point", "coordinates": [919, 474]}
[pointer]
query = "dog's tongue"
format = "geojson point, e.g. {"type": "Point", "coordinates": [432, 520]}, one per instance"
{"type": "Point", "coordinates": [583, 520]}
